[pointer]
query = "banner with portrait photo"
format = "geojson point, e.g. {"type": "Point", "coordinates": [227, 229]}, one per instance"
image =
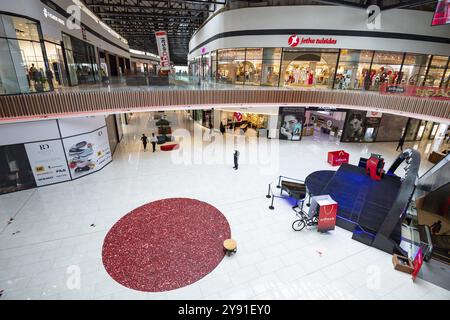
{"type": "Point", "coordinates": [355, 126]}
{"type": "Point", "coordinates": [291, 120]}
{"type": "Point", "coordinates": [87, 153]}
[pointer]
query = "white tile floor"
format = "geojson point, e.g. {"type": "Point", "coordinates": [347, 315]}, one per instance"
{"type": "Point", "coordinates": [273, 261]}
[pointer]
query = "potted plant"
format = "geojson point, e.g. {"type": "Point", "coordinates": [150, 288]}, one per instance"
{"type": "Point", "coordinates": [39, 83]}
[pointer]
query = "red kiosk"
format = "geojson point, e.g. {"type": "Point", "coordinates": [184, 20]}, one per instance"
{"type": "Point", "coordinates": [375, 166]}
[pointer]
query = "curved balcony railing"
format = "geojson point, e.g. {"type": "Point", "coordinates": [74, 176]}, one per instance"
{"type": "Point", "coordinates": [114, 98]}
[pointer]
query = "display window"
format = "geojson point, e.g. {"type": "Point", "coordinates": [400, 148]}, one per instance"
{"type": "Point", "coordinates": [231, 66]}
{"type": "Point", "coordinates": [270, 70]}
{"type": "Point", "coordinates": [436, 71]}
{"type": "Point", "coordinates": [23, 66]}
{"type": "Point", "coordinates": [304, 68]}
{"type": "Point", "coordinates": [56, 64]}
{"type": "Point", "coordinates": [385, 69]}
{"type": "Point", "coordinates": [353, 70]}
{"type": "Point", "coordinates": [446, 80]}
{"type": "Point", "coordinates": [213, 64]}
{"type": "Point", "coordinates": [414, 69]}
{"type": "Point", "coordinates": [324, 122]}
{"type": "Point", "coordinates": [245, 123]}
{"type": "Point", "coordinates": [251, 67]}
{"type": "Point", "coordinates": [71, 67]}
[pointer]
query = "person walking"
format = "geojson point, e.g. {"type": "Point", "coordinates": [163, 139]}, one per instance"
{"type": "Point", "coordinates": [447, 136]}
{"type": "Point", "coordinates": [401, 142]}
{"type": "Point", "coordinates": [144, 140]}
{"type": "Point", "coordinates": [236, 158]}
{"type": "Point", "coordinates": [154, 140]}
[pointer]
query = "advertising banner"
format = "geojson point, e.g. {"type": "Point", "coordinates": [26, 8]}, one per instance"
{"type": "Point", "coordinates": [355, 126]}
{"type": "Point", "coordinates": [291, 123]}
{"type": "Point", "coordinates": [48, 162]}
{"type": "Point", "coordinates": [88, 152]}
{"type": "Point", "coordinates": [441, 13]}
{"type": "Point", "coordinates": [15, 169]}
{"type": "Point", "coordinates": [417, 263]}
{"type": "Point", "coordinates": [163, 49]}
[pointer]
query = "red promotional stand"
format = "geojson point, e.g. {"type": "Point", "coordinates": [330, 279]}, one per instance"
{"type": "Point", "coordinates": [327, 209]}
{"type": "Point", "coordinates": [418, 261]}
{"type": "Point", "coordinates": [336, 158]}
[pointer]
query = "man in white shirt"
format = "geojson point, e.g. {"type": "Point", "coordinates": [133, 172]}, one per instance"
{"type": "Point", "coordinates": [154, 140]}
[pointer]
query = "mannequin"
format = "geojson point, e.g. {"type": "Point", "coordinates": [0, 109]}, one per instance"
{"type": "Point", "coordinates": [310, 77]}
{"type": "Point", "coordinates": [296, 75]}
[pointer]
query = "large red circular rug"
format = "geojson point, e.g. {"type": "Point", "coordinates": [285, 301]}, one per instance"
{"type": "Point", "coordinates": [165, 245]}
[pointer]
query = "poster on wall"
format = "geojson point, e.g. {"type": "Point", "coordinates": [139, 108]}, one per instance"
{"type": "Point", "coordinates": [87, 153]}
{"type": "Point", "coordinates": [48, 162]}
{"type": "Point", "coordinates": [291, 123]}
{"type": "Point", "coordinates": [15, 169]}
{"type": "Point", "coordinates": [355, 126]}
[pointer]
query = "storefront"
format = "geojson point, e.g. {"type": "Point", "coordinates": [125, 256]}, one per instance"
{"type": "Point", "coordinates": [40, 49]}
{"type": "Point", "coordinates": [55, 58]}
{"type": "Point", "coordinates": [245, 123]}
{"type": "Point", "coordinates": [81, 59]}
{"type": "Point", "coordinates": [23, 66]}
{"type": "Point", "coordinates": [324, 122]}
{"type": "Point", "coordinates": [345, 69]}
{"type": "Point", "coordinates": [308, 68]}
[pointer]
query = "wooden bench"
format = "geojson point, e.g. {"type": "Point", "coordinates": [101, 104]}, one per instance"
{"type": "Point", "coordinates": [295, 190]}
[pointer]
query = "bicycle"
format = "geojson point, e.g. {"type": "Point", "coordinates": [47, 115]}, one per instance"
{"type": "Point", "coordinates": [304, 220]}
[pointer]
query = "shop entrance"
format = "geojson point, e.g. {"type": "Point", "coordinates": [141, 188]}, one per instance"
{"type": "Point", "coordinates": [309, 69]}
{"type": "Point", "coordinates": [324, 124]}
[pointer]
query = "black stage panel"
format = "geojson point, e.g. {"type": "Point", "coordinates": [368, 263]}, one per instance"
{"type": "Point", "coordinates": [361, 201]}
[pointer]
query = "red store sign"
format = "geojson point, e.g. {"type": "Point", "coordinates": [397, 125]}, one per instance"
{"type": "Point", "coordinates": [296, 40]}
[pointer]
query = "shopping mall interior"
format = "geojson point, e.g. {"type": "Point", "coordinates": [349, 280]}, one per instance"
{"type": "Point", "coordinates": [190, 150]}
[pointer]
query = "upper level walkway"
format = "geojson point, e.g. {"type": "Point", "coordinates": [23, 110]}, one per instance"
{"type": "Point", "coordinates": [184, 92]}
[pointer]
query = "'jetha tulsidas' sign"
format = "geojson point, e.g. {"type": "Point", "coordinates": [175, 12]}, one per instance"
{"type": "Point", "coordinates": [296, 40]}
{"type": "Point", "coordinates": [50, 15]}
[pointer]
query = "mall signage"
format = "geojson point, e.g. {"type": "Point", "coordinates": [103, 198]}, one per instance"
{"type": "Point", "coordinates": [163, 49]}
{"type": "Point", "coordinates": [295, 40]}
{"type": "Point", "coordinates": [49, 15]}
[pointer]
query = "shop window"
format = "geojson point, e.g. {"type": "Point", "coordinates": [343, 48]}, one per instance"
{"type": "Point", "coordinates": [305, 68]}
{"type": "Point", "coordinates": [252, 66]}
{"type": "Point", "coordinates": [70, 61]}
{"type": "Point", "coordinates": [56, 63]}
{"type": "Point", "coordinates": [353, 70]}
{"type": "Point", "coordinates": [385, 68]}
{"type": "Point", "coordinates": [436, 71]}
{"type": "Point", "coordinates": [9, 83]}
{"type": "Point", "coordinates": [270, 66]}
{"type": "Point", "coordinates": [20, 28]}
{"type": "Point", "coordinates": [22, 66]}
{"type": "Point", "coordinates": [231, 67]}
{"type": "Point", "coordinates": [214, 64]}
{"type": "Point", "coordinates": [231, 54]}
{"type": "Point", "coordinates": [446, 82]}
{"type": "Point", "coordinates": [414, 69]}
